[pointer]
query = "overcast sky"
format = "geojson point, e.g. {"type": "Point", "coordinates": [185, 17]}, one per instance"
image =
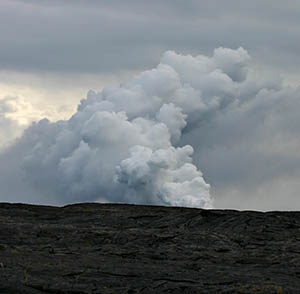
{"type": "Point", "coordinates": [53, 51]}
{"type": "Point", "coordinates": [110, 36]}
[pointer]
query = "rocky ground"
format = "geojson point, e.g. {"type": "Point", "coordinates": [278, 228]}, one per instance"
{"type": "Point", "coordinates": [111, 248]}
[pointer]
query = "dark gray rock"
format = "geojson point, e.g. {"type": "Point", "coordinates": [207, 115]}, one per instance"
{"type": "Point", "coordinates": [112, 248]}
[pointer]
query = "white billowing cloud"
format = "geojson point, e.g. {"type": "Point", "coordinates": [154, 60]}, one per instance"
{"type": "Point", "coordinates": [176, 180]}
{"type": "Point", "coordinates": [103, 154]}
{"type": "Point", "coordinates": [119, 145]}
{"type": "Point", "coordinates": [144, 142]}
{"type": "Point", "coordinates": [173, 118]}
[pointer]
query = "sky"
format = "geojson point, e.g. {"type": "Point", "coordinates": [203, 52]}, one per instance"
{"type": "Point", "coordinates": [245, 139]}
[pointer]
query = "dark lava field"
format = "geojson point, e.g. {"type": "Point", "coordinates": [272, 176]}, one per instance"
{"type": "Point", "coordinates": [114, 248]}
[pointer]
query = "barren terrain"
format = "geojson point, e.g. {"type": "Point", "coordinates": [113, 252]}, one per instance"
{"type": "Point", "coordinates": [114, 248]}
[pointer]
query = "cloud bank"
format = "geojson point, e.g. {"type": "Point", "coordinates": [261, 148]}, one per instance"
{"type": "Point", "coordinates": [146, 141]}
{"type": "Point", "coordinates": [33, 43]}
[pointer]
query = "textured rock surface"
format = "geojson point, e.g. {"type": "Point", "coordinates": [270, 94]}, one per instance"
{"type": "Point", "coordinates": [110, 248]}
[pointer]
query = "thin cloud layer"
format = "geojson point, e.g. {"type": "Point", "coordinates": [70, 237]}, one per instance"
{"type": "Point", "coordinates": [146, 141]}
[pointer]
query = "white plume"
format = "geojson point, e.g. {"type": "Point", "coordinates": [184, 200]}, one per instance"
{"type": "Point", "coordinates": [133, 143]}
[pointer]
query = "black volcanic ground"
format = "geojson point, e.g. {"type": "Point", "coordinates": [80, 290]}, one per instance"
{"type": "Point", "coordinates": [111, 248]}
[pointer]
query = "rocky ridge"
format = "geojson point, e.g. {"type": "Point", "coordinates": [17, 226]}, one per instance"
{"type": "Point", "coordinates": [94, 248]}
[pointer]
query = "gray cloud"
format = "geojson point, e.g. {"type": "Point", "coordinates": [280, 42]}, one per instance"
{"type": "Point", "coordinates": [109, 36]}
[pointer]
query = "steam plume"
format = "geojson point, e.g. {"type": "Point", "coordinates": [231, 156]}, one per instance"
{"type": "Point", "coordinates": [133, 143]}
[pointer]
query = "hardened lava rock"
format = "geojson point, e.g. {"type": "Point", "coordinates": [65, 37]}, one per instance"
{"type": "Point", "coordinates": [112, 248]}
